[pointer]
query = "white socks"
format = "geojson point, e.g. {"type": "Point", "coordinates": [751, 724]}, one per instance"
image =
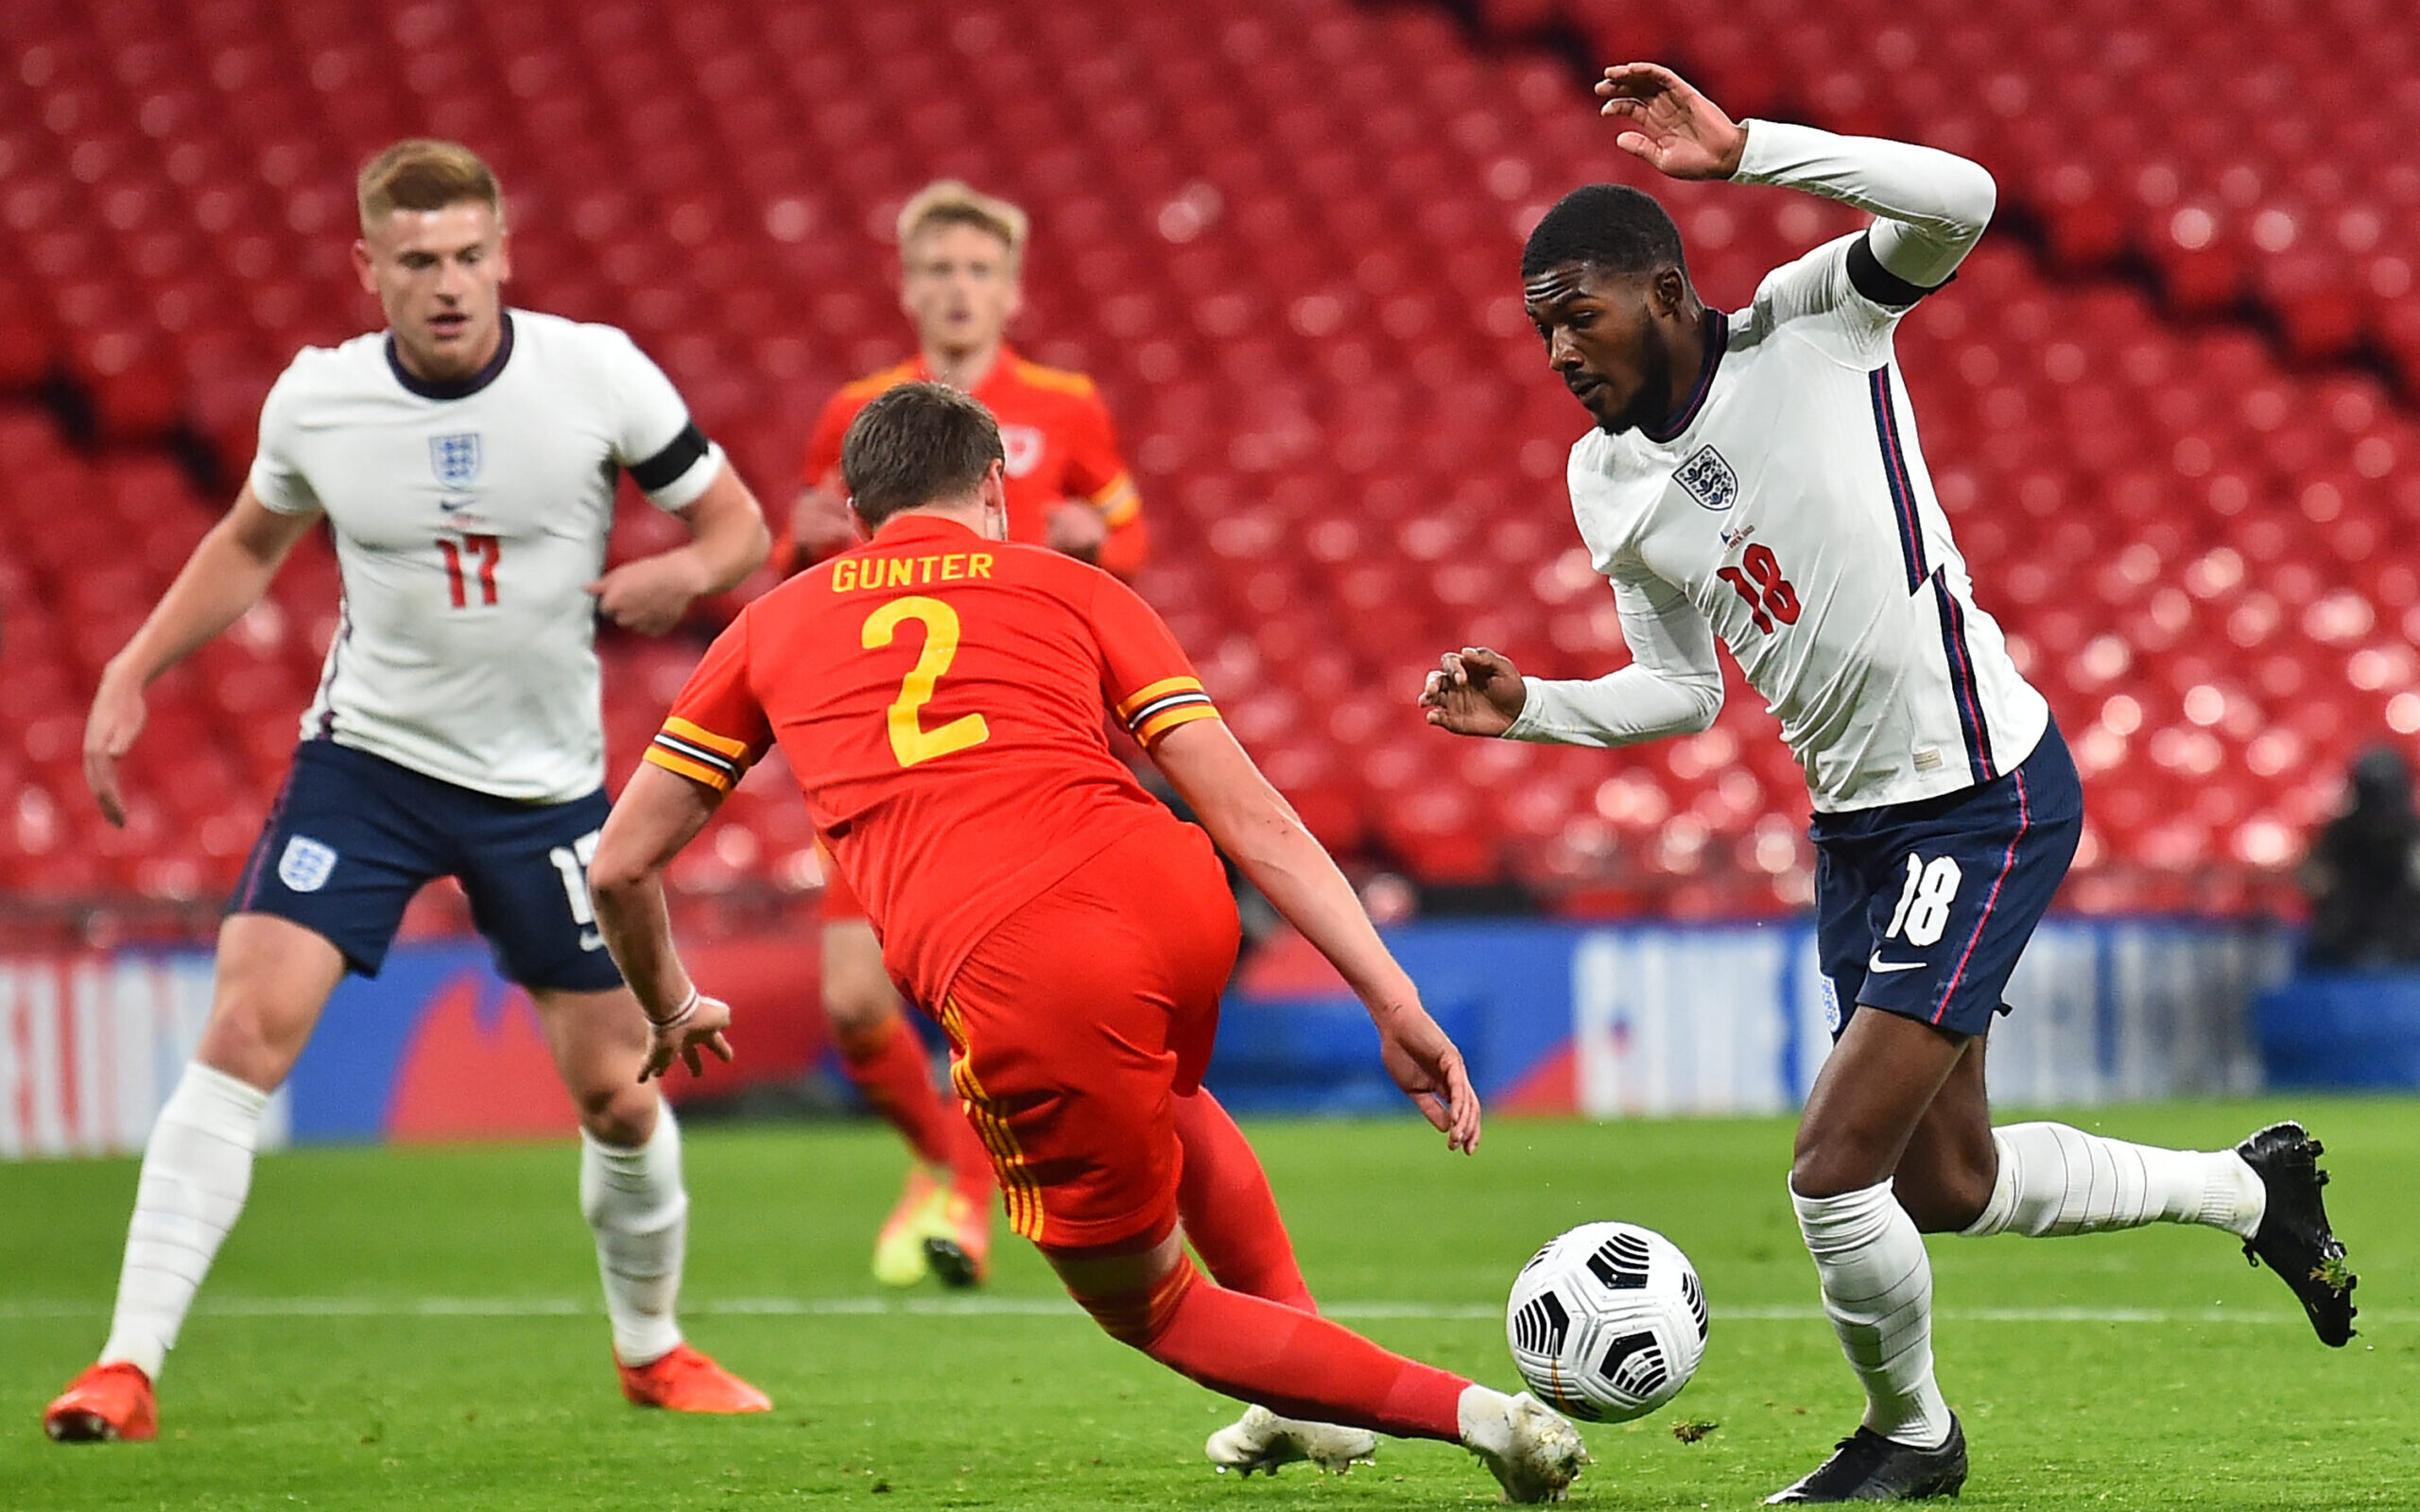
{"type": "Point", "coordinates": [196, 1168]}
{"type": "Point", "coordinates": [1877, 1288]}
{"type": "Point", "coordinates": [1485, 1418]}
{"type": "Point", "coordinates": [2054, 1179]}
{"type": "Point", "coordinates": [634, 1201]}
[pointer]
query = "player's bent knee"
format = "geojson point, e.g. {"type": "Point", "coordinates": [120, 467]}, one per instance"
{"type": "Point", "coordinates": [1945, 1202]}
{"type": "Point", "coordinates": [237, 1043]}
{"type": "Point", "coordinates": [623, 1116]}
{"type": "Point", "coordinates": [861, 1014]}
{"type": "Point", "coordinates": [273, 978]}
{"type": "Point", "coordinates": [1832, 1168]}
{"type": "Point", "coordinates": [1138, 1316]}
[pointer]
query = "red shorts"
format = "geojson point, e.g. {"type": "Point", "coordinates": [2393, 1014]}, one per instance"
{"type": "Point", "coordinates": [1076, 1024]}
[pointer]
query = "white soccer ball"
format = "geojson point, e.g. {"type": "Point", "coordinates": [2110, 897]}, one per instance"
{"type": "Point", "coordinates": [1607, 1322]}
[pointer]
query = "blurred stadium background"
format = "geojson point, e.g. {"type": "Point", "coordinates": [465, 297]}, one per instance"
{"type": "Point", "coordinates": [2169, 404]}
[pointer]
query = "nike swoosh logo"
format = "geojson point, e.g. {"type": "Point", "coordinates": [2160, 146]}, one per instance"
{"type": "Point", "coordinates": [591, 941]}
{"type": "Point", "coordinates": [1875, 963]}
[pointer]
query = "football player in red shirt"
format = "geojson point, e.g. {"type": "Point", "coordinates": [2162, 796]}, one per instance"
{"type": "Point", "coordinates": [939, 693]}
{"type": "Point", "coordinates": [1068, 488]}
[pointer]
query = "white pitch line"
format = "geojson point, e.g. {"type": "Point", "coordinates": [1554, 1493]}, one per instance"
{"type": "Point", "coordinates": [301, 1307]}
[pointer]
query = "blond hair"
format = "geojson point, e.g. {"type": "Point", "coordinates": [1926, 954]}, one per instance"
{"type": "Point", "coordinates": [420, 173]}
{"type": "Point", "coordinates": [949, 202]}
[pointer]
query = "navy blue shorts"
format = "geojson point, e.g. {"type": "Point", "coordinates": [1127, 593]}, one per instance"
{"type": "Point", "coordinates": [1922, 909]}
{"type": "Point", "coordinates": [353, 836]}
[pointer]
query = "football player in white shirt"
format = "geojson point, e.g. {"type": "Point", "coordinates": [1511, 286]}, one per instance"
{"type": "Point", "coordinates": [1756, 477]}
{"type": "Point", "coordinates": [466, 461]}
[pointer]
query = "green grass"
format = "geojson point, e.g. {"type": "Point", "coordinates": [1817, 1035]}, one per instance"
{"type": "Point", "coordinates": [334, 1361]}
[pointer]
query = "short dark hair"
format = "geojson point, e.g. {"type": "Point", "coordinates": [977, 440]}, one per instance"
{"type": "Point", "coordinates": [1607, 226]}
{"type": "Point", "coordinates": [916, 444]}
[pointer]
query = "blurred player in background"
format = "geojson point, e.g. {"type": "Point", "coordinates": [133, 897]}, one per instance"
{"type": "Point", "coordinates": [1756, 477]}
{"type": "Point", "coordinates": [960, 253]}
{"type": "Point", "coordinates": [466, 461]}
{"type": "Point", "coordinates": [939, 695]}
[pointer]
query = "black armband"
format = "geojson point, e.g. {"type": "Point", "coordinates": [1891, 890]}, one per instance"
{"type": "Point", "coordinates": [1877, 282]}
{"type": "Point", "coordinates": [680, 454]}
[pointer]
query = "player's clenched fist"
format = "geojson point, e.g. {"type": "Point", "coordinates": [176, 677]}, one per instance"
{"type": "Point", "coordinates": [1077, 528]}
{"type": "Point", "coordinates": [1475, 692]}
{"type": "Point", "coordinates": [649, 595]}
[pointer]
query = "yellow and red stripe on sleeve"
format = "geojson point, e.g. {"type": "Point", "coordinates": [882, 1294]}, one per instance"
{"type": "Point", "coordinates": [699, 754]}
{"type": "Point", "coordinates": [1119, 502]}
{"type": "Point", "coordinates": [1163, 706]}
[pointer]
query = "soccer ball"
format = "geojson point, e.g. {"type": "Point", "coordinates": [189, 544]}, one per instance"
{"type": "Point", "coordinates": [1607, 1322]}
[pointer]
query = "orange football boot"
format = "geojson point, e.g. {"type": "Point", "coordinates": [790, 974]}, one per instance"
{"type": "Point", "coordinates": [963, 1255]}
{"type": "Point", "coordinates": [899, 1250]}
{"type": "Point", "coordinates": [686, 1381]}
{"type": "Point", "coordinates": [107, 1401]}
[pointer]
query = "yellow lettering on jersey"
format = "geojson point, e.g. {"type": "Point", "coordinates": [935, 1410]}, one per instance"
{"type": "Point", "coordinates": [858, 576]}
{"type": "Point", "coordinates": [910, 741]}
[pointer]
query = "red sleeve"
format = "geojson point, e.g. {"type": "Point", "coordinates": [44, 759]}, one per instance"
{"type": "Point", "coordinates": [1147, 679]}
{"type": "Point", "coordinates": [823, 464]}
{"type": "Point", "coordinates": [717, 729]}
{"type": "Point", "coordinates": [1096, 472]}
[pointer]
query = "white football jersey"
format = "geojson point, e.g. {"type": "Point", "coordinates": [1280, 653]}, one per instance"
{"type": "Point", "coordinates": [1788, 510]}
{"type": "Point", "coordinates": [469, 519]}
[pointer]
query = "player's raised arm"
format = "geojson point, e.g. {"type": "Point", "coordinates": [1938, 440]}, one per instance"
{"type": "Point", "coordinates": [1253, 824]}
{"type": "Point", "coordinates": [1933, 205]}
{"type": "Point", "coordinates": [1673, 685]}
{"type": "Point", "coordinates": [229, 571]}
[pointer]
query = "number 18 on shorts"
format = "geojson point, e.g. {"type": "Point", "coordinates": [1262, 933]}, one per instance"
{"type": "Point", "coordinates": [1922, 909]}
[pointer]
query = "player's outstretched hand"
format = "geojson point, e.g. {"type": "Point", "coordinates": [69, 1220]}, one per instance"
{"type": "Point", "coordinates": [1476, 692]}
{"type": "Point", "coordinates": [1429, 1070]}
{"type": "Point", "coordinates": [109, 734]}
{"type": "Point", "coordinates": [649, 595]}
{"type": "Point", "coordinates": [699, 1027]}
{"type": "Point", "coordinates": [1077, 528]}
{"type": "Point", "coordinates": [1668, 124]}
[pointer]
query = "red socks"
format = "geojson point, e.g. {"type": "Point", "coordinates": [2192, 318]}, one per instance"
{"type": "Point", "coordinates": [1293, 1362]}
{"type": "Point", "coordinates": [1228, 1211]}
{"type": "Point", "coordinates": [889, 1067]}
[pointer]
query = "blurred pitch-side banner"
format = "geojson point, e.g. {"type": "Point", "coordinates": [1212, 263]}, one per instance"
{"type": "Point", "coordinates": [1651, 1020]}
{"type": "Point", "coordinates": [1625, 1021]}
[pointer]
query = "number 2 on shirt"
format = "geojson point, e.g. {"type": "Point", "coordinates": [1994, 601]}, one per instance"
{"type": "Point", "coordinates": [488, 550]}
{"type": "Point", "coordinates": [1770, 596]}
{"type": "Point", "coordinates": [909, 739]}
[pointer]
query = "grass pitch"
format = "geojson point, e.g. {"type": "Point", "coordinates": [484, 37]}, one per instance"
{"type": "Point", "coordinates": [393, 1328]}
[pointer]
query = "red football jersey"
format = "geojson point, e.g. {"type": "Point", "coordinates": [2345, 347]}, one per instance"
{"type": "Point", "coordinates": [939, 697]}
{"type": "Point", "coordinates": [1059, 443]}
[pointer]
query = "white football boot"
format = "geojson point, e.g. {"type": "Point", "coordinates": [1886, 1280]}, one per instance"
{"type": "Point", "coordinates": [1261, 1441]}
{"type": "Point", "coordinates": [1533, 1451]}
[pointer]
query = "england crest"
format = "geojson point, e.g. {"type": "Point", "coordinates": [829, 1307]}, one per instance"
{"type": "Point", "coordinates": [1021, 448]}
{"type": "Point", "coordinates": [306, 864]}
{"type": "Point", "coordinates": [1709, 479]}
{"type": "Point", "coordinates": [455, 459]}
